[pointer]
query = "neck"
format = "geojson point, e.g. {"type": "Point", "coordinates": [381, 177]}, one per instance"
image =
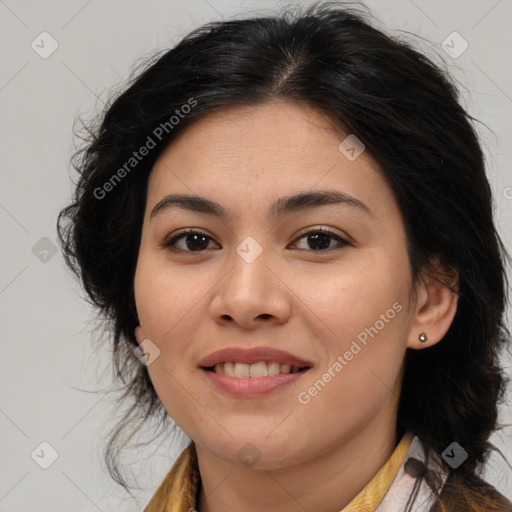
{"type": "Point", "coordinates": [327, 483]}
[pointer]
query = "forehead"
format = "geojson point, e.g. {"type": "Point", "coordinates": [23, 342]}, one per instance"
{"type": "Point", "coordinates": [241, 130]}
{"type": "Point", "coordinates": [267, 151]}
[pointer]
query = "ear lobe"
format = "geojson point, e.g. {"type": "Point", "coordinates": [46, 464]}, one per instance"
{"type": "Point", "coordinates": [435, 308]}
{"type": "Point", "coordinates": [138, 334]}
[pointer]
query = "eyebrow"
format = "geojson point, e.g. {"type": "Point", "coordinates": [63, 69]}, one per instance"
{"type": "Point", "coordinates": [281, 207]}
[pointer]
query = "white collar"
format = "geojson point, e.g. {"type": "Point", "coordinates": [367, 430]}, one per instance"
{"type": "Point", "coordinates": [408, 480]}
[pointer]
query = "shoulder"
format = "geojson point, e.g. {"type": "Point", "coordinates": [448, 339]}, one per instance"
{"type": "Point", "coordinates": [470, 493]}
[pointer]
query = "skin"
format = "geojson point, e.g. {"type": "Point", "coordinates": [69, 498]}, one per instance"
{"type": "Point", "coordinates": [315, 456]}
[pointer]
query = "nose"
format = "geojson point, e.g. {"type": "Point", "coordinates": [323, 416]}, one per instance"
{"type": "Point", "coordinates": [252, 294]}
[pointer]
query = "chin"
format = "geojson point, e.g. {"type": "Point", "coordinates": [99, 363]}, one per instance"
{"type": "Point", "coordinates": [259, 451]}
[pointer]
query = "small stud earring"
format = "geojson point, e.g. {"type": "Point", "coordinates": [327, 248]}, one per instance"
{"type": "Point", "coordinates": [423, 337]}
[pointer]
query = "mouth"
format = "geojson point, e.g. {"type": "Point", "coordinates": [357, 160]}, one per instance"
{"type": "Point", "coordinates": [252, 381]}
{"type": "Point", "coordinates": [254, 370]}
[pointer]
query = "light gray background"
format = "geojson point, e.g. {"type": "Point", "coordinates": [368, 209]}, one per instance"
{"type": "Point", "coordinates": [47, 354]}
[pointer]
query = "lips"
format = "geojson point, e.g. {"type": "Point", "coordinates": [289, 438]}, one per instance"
{"type": "Point", "coordinates": [252, 355]}
{"type": "Point", "coordinates": [248, 388]}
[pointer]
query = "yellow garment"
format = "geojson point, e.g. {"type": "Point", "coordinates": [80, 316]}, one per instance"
{"type": "Point", "coordinates": [179, 490]}
{"type": "Point", "coordinates": [371, 495]}
{"type": "Point", "coordinates": [177, 493]}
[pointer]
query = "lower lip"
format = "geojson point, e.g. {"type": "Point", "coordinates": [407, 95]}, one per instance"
{"type": "Point", "coordinates": [248, 387]}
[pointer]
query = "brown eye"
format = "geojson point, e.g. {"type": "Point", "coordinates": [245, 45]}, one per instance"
{"type": "Point", "coordinates": [192, 241]}
{"type": "Point", "coordinates": [319, 240]}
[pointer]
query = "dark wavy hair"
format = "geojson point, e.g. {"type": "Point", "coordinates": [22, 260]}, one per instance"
{"type": "Point", "coordinates": [406, 111]}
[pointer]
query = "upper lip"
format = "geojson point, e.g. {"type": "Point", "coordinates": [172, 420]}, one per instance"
{"type": "Point", "coordinates": [252, 355]}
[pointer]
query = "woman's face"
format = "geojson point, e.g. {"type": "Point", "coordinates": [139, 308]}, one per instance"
{"type": "Point", "coordinates": [254, 278]}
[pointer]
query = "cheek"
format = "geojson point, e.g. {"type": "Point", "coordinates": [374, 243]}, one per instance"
{"type": "Point", "coordinates": [351, 296]}
{"type": "Point", "coordinates": [165, 303]}
{"type": "Point", "coordinates": [364, 306]}
{"type": "Point", "coordinates": [368, 321]}
{"type": "Point", "coordinates": [164, 299]}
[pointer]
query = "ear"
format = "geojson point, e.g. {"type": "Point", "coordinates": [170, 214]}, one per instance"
{"type": "Point", "coordinates": [138, 334]}
{"type": "Point", "coordinates": [435, 307]}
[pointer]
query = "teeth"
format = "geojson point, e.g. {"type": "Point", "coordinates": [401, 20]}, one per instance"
{"type": "Point", "coordinates": [273, 368]}
{"type": "Point", "coordinates": [229, 369]}
{"type": "Point", "coordinates": [285, 368]}
{"type": "Point", "coordinates": [241, 370]}
{"type": "Point", "coordinates": [259, 369]}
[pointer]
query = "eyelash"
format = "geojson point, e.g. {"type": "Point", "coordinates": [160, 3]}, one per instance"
{"type": "Point", "coordinates": [342, 242]}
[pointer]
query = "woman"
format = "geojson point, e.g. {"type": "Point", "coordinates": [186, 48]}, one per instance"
{"type": "Point", "coordinates": [287, 221]}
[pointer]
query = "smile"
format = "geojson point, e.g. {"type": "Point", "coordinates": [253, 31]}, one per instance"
{"type": "Point", "coordinates": [249, 386]}
{"type": "Point", "coordinates": [259, 369]}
